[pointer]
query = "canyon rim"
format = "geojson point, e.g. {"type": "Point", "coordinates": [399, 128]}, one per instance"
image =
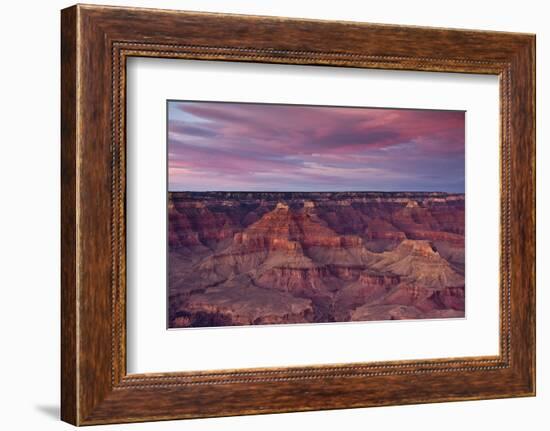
{"type": "Point", "coordinates": [323, 231]}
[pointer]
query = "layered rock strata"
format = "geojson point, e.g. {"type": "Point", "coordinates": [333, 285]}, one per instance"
{"type": "Point", "coordinates": [270, 258]}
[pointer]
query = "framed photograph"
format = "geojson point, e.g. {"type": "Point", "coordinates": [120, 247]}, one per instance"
{"type": "Point", "coordinates": [264, 215]}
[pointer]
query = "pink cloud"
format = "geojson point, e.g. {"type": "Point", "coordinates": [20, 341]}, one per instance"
{"type": "Point", "coordinates": [221, 142]}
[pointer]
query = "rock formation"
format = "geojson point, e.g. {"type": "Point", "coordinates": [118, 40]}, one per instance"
{"type": "Point", "coordinates": [245, 258]}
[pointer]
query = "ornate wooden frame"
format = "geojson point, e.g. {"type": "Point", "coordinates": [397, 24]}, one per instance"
{"type": "Point", "coordinates": [96, 41]}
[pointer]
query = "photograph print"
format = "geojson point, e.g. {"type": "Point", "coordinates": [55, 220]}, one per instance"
{"type": "Point", "coordinates": [302, 214]}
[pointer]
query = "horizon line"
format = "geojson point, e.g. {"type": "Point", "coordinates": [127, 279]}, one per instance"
{"type": "Point", "coordinates": [315, 191]}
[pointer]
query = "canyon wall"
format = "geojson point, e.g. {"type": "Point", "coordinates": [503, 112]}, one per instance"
{"type": "Point", "coordinates": [247, 258]}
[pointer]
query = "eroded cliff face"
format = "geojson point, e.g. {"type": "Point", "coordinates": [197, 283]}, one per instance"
{"type": "Point", "coordinates": [261, 258]}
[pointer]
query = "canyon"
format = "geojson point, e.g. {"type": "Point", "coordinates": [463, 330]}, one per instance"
{"type": "Point", "coordinates": [256, 258]}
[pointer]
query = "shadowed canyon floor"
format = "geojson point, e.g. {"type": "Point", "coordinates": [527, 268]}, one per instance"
{"type": "Point", "coordinates": [254, 258]}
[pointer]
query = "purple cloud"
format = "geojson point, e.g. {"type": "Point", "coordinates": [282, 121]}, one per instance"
{"type": "Point", "coordinates": [237, 146]}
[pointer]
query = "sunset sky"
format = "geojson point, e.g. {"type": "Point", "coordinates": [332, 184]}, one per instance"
{"type": "Point", "coordinates": [262, 147]}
